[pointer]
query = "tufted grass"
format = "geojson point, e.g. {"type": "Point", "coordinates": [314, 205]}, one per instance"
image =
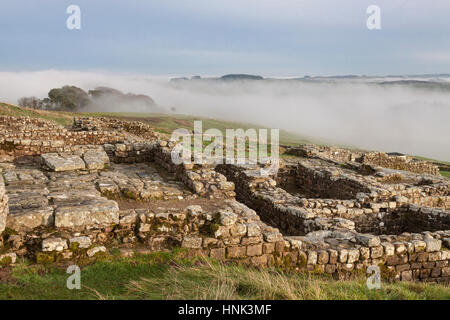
{"type": "Point", "coordinates": [170, 276]}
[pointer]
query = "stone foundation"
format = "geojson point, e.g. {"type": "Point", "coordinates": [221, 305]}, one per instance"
{"type": "Point", "coordinates": [381, 159]}
{"type": "Point", "coordinates": [329, 212]}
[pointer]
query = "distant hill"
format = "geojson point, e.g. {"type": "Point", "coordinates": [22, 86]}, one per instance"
{"type": "Point", "coordinates": [227, 77]}
{"type": "Point", "coordinates": [241, 77]}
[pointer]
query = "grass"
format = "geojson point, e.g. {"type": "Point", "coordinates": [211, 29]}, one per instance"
{"type": "Point", "coordinates": [445, 174]}
{"type": "Point", "coordinates": [170, 276]}
{"type": "Point", "coordinates": [163, 123]}
{"type": "Point", "coordinates": [62, 118]}
{"type": "Point", "coordinates": [166, 123]}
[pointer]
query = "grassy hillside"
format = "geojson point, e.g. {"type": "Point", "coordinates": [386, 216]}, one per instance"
{"type": "Point", "coordinates": [166, 123]}
{"type": "Point", "coordinates": [169, 276]}
{"type": "Point", "coordinates": [63, 118]}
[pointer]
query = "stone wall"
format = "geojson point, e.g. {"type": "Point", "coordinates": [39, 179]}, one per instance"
{"type": "Point", "coordinates": [136, 128]}
{"type": "Point", "coordinates": [131, 152]}
{"type": "Point", "coordinates": [27, 137]}
{"type": "Point", "coordinates": [324, 233]}
{"type": "Point", "coordinates": [202, 179]}
{"type": "Point", "coordinates": [233, 232]}
{"type": "Point", "coordinates": [399, 163]}
{"type": "Point", "coordinates": [3, 204]}
{"type": "Point", "coordinates": [326, 183]}
{"type": "Point", "coordinates": [392, 161]}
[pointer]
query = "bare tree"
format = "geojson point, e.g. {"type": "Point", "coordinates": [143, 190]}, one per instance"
{"type": "Point", "coordinates": [30, 102]}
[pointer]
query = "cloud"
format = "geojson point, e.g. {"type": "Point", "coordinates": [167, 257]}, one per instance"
{"type": "Point", "coordinates": [362, 114]}
{"type": "Point", "coordinates": [433, 57]}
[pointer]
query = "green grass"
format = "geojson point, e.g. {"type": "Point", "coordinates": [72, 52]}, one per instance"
{"type": "Point", "coordinates": [163, 123]}
{"type": "Point", "coordinates": [166, 123]}
{"type": "Point", "coordinates": [445, 174]}
{"type": "Point", "coordinates": [62, 118]}
{"type": "Point", "coordinates": [432, 160]}
{"type": "Point", "coordinates": [169, 276]}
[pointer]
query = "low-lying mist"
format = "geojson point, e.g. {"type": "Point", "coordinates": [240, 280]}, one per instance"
{"type": "Point", "coordinates": [366, 115]}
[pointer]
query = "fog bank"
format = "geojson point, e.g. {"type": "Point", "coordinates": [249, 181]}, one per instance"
{"type": "Point", "coordinates": [388, 118]}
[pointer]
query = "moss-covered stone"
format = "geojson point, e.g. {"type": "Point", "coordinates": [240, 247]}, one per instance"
{"type": "Point", "coordinates": [45, 258]}
{"type": "Point", "coordinates": [5, 261]}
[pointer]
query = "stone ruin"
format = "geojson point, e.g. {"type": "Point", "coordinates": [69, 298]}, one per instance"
{"type": "Point", "coordinates": [77, 194]}
{"type": "Point", "coordinates": [392, 160]}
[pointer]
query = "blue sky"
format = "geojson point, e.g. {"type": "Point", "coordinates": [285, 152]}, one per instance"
{"type": "Point", "coordinates": [213, 37]}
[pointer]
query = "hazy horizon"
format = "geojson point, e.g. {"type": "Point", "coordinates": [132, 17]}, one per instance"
{"type": "Point", "coordinates": [402, 119]}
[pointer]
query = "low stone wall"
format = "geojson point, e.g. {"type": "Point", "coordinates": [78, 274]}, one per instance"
{"type": "Point", "coordinates": [321, 235]}
{"type": "Point", "coordinates": [398, 162]}
{"type": "Point", "coordinates": [233, 232]}
{"type": "Point", "coordinates": [131, 152]}
{"type": "Point", "coordinates": [27, 138]}
{"type": "Point", "coordinates": [328, 184]}
{"type": "Point", "coordinates": [135, 128]}
{"type": "Point", "coordinates": [275, 206]}
{"type": "Point", "coordinates": [3, 204]}
{"type": "Point", "coordinates": [404, 218]}
{"type": "Point", "coordinates": [202, 179]}
{"type": "Point", "coordinates": [331, 153]}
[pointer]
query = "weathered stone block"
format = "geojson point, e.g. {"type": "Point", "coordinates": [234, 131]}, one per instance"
{"type": "Point", "coordinates": [218, 253]}
{"type": "Point", "coordinates": [30, 219]}
{"type": "Point", "coordinates": [253, 230]}
{"type": "Point", "coordinates": [92, 252]}
{"type": "Point", "coordinates": [433, 245]}
{"type": "Point", "coordinates": [254, 250]}
{"type": "Point", "coordinates": [368, 240]}
{"type": "Point", "coordinates": [312, 257]}
{"type": "Point", "coordinates": [236, 252]}
{"type": "Point", "coordinates": [82, 241]}
{"type": "Point", "coordinates": [323, 257]}
{"type": "Point", "coordinates": [268, 248]}
{"type": "Point", "coordinates": [95, 159]}
{"type": "Point", "coordinates": [343, 255]}
{"type": "Point", "coordinates": [407, 275]}
{"type": "Point", "coordinates": [419, 245]}
{"type": "Point", "coordinates": [434, 256]}
{"type": "Point", "coordinates": [364, 253]}
{"type": "Point", "coordinates": [259, 261]}
{"type": "Point", "coordinates": [376, 252]}
{"type": "Point", "coordinates": [330, 268]}
{"type": "Point", "coordinates": [238, 230]}
{"type": "Point", "coordinates": [435, 272]}
{"type": "Point", "coordinates": [57, 162]}
{"type": "Point", "coordinates": [193, 242]}
{"type": "Point", "coordinates": [54, 244]}
{"type": "Point", "coordinates": [333, 256]}
{"type": "Point", "coordinates": [402, 267]}
{"type": "Point", "coordinates": [353, 255]}
{"type": "Point", "coordinates": [389, 248]}
{"type": "Point", "coordinates": [92, 213]}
